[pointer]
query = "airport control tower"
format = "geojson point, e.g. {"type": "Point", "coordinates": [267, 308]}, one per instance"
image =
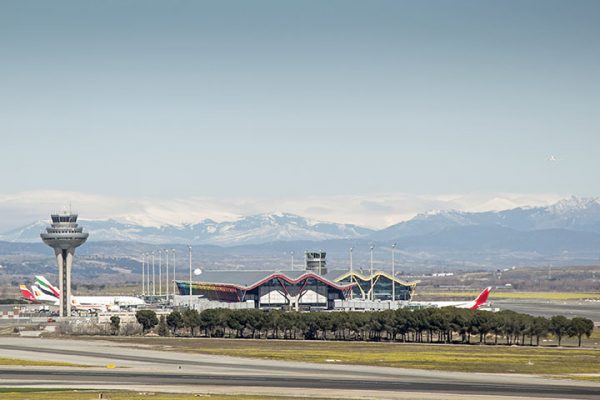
{"type": "Point", "coordinates": [64, 235]}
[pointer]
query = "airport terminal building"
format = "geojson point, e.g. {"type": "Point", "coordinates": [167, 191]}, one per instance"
{"type": "Point", "coordinates": [311, 289]}
{"type": "Point", "coordinates": [379, 286]}
{"type": "Point", "coordinates": [299, 290]}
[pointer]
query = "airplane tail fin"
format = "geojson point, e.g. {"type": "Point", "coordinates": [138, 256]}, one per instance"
{"type": "Point", "coordinates": [46, 287]}
{"type": "Point", "coordinates": [26, 293]}
{"type": "Point", "coordinates": [37, 293]}
{"type": "Point", "coordinates": [482, 298]}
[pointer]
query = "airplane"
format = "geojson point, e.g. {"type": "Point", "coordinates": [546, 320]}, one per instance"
{"type": "Point", "coordinates": [46, 286]}
{"type": "Point", "coordinates": [36, 296]}
{"type": "Point", "coordinates": [475, 304]}
{"type": "Point", "coordinates": [45, 292]}
{"type": "Point", "coordinates": [27, 295]}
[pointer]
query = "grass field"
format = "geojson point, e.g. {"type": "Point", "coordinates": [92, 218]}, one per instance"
{"type": "Point", "coordinates": [33, 363]}
{"type": "Point", "coordinates": [61, 394]}
{"type": "Point", "coordinates": [508, 295]}
{"type": "Point", "coordinates": [432, 357]}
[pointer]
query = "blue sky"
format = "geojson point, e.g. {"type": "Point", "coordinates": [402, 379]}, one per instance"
{"type": "Point", "coordinates": [269, 99]}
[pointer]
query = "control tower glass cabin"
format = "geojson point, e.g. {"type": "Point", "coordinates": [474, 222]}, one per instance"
{"type": "Point", "coordinates": [64, 235]}
{"type": "Point", "coordinates": [316, 262]}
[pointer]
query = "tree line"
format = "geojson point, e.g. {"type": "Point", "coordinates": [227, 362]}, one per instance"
{"type": "Point", "coordinates": [427, 325]}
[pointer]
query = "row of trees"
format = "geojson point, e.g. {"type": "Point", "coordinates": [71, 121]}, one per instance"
{"type": "Point", "coordinates": [431, 325]}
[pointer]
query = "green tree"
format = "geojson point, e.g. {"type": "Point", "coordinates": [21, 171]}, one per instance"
{"type": "Point", "coordinates": [311, 326]}
{"type": "Point", "coordinates": [237, 322]}
{"type": "Point", "coordinates": [191, 319]}
{"type": "Point", "coordinates": [559, 326]}
{"type": "Point", "coordinates": [460, 323]}
{"type": "Point", "coordinates": [581, 326]}
{"type": "Point", "coordinates": [481, 324]}
{"type": "Point", "coordinates": [147, 318]}
{"type": "Point", "coordinates": [175, 321]}
{"type": "Point", "coordinates": [540, 328]}
{"type": "Point", "coordinates": [214, 321]}
{"type": "Point", "coordinates": [162, 326]}
{"type": "Point", "coordinates": [115, 324]}
{"type": "Point", "coordinates": [254, 321]}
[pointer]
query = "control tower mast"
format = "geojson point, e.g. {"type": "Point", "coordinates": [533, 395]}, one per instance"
{"type": "Point", "coordinates": [64, 235]}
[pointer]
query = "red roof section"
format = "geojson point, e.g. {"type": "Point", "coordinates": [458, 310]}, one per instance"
{"type": "Point", "coordinates": [279, 275]}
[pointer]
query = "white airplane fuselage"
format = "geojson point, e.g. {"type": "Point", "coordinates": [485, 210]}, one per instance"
{"type": "Point", "coordinates": [101, 303]}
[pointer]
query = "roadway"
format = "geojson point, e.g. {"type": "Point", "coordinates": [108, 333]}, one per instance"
{"type": "Point", "coordinates": [144, 369]}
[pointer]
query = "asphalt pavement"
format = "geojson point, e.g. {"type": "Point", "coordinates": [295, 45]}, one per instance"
{"type": "Point", "coordinates": [549, 308]}
{"type": "Point", "coordinates": [141, 368]}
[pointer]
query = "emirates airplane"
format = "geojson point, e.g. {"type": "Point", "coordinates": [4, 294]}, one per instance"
{"type": "Point", "coordinates": [45, 293]}
{"type": "Point", "coordinates": [475, 304]}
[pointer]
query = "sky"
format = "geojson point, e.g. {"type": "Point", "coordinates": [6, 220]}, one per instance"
{"type": "Point", "coordinates": [363, 111]}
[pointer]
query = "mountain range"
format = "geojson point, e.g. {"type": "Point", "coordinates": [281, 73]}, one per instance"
{"type": "Point", "coordinates": [255, 229]}
{"type": "Point", "coordinates": [565, 233]}
{"type": "Point", "coordinates": [573, 219]}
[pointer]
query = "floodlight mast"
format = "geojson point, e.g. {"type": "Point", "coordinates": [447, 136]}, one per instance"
{"type": "Point", "coordinates": [174, 276]}
{"type": "Point", "coordinates": [153, 277]}
{"type": "Point", "coordinates": [160, 272]}
{"type": "Point", "coordinates": [372, 288]}
{"type": "Point", "coordinates": [167, 273]}
{"type": "Point", "coordinates": [148, 274]}
{"type": "Point", "coordinates": [292, 253]}
{"type": "Point", "coordinates": [351, 274]}
{"type": "Point", "coordinates": [393, 272]}
{"type": "Point", "coordinates": [190, 287]}
{"type": "Point", "coordinates": [143, 274]}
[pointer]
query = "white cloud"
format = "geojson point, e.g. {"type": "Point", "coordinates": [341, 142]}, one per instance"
{"type": "Point", "coordinates": [372, 210]}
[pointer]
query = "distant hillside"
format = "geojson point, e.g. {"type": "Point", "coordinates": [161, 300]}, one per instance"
{"type": "Point", "coordinates": [568, 231]}
{"type": "Point", "coordinates": [254, 229]}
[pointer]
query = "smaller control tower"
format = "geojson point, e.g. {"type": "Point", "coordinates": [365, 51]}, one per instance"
{"type": "Point", "coordinates": [64, 235]}
{"type": "Point", "coordinates": [315, 262]}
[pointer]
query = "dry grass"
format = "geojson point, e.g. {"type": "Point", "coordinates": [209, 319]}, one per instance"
{"type": "Point", "coordinates": [432, 357]}
{"type": "Point", "coordinates": [35, 363]}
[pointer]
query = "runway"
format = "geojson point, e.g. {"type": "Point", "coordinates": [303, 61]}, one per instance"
{"type": "Point", "coordinates": [144, 369]}
{"type": "Point", "coordinates": [549, 308]}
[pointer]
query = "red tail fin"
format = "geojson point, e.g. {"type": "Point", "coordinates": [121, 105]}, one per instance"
{"type": "Point", "coordinates": [482, 298]}
{"type": "Point", "coordinates": [27, 295]}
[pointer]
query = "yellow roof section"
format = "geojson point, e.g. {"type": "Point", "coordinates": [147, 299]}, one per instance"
{"type": "Point", "coordinates": [375, 276]}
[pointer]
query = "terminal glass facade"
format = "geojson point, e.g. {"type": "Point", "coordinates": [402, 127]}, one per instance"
{"type": "Point", "coordinates": [384, 286]}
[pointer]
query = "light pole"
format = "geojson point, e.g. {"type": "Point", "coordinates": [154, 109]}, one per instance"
{"type": "Point", "coordinates": [174, 283]}
{"type": "Point", "coordinates": [167, 273]}
{"type": "Point", "coordinates": [143, 274]}
{"type": "Point", "coordinates": [351, 268]}
{"type": "Point", "coordinates": [153, 277]}
{"type": "Point", "coordinates": [190, 287]}
{"type": "Point", "coordinates": [351, 274]}
{"type": "Point", "coordinates": [393, 272]}
{"type": "Point", "coordinates": [292, 253]}
{"type": "Point", "coordinates": [372, 288]}
{"type": "Point", "coordinates": [147, 274]}
{"type": "Point", "coordinates": [160, 272]}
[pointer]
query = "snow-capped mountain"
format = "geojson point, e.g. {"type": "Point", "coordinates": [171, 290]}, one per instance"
{"type": "Point", "coordinates": [253, 229]}
{"type": "Point", "coordinates": [574, 214]}
{"type": "Point", "coordinates": [574, 218]}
